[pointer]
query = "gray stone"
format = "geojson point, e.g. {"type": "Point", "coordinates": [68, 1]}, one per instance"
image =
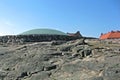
{"type": "Point", "coordinates": [66, 47]}
{"type": "Point", "coordinates": [80, 42]}
{"type": "Point", "coordinates": [85, 53]}
{"type": "Point", "coordinates": [112, 73]}
{"type": "Point", "coordinates": [22, 75]}
{"type": "Point", "coordinates": [50, 67]}
{"type": "Point", "coordinates": [77, 49]}
{"type": "Point", "coordinates": [57, 42]}
{"type": "Point", "coordinates": [70, 68]}
{"type": "Point", "coordinates": [43, 61]}
{"type": "Point", "coordinates": [2, 75]}
{"type": "Point", "coordinates": [40, 76]}
{"type": "Point", "coordinates": [66, 53]}
{"type": "Point", "coordinates": [96, 78]}
{"type": "Point", "coordinates": [56, 54]}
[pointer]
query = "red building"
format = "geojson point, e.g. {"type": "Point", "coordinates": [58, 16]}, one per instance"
{"type": "Point", "coordinates": [111, 35]}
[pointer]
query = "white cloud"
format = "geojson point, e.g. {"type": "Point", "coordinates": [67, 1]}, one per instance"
{"type": "Point", "coordinates": [6, 27]}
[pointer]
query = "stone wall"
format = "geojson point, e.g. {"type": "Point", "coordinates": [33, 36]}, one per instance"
{"type": "Point", "coordinates": [34, 38]}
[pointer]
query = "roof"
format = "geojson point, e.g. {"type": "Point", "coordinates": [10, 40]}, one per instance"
{"type": "Point", "coordinates": [111, 35]}
{"type": "Point", "coordinates": [43, 32]}
{"type": "Point", "coordinates": [77, 34]}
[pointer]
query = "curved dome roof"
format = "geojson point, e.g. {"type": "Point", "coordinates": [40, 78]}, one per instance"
{"type": "Point", "coordinates": [43, 31]}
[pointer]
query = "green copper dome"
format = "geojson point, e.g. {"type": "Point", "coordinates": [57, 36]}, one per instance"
{"type": "Point", "coordinates": [43, 32]}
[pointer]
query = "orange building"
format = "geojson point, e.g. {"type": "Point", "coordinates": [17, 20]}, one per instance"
{"type": "Point", "coordinates": [111, 35]}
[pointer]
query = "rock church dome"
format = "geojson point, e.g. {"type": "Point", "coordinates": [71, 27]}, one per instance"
{"type": "Point", "coordinates": [43, 32]}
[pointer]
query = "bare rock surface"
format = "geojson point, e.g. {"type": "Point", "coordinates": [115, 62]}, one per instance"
{"type": "Point", "coordinates": [89, 59]}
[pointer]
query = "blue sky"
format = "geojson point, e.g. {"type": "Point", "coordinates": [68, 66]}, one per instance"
{"type": "Point", "coordinates": [90, 17]}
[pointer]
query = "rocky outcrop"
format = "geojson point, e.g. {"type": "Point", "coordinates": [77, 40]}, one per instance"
{"type": "Point", "coordinates": [35, 38]}
{"type": "Point", "coordinates": [79, 59]}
